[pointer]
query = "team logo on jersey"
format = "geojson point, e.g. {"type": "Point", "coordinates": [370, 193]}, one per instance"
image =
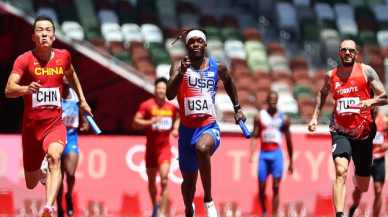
{"type": "Point", "coordinates": [59, 62]}
{"type": "Point", "coordinates": [36, 63]}
{"type": "Point", "coordinates": [217, 133]}
{"type": "Point", "coordinates": [49, 71]}
{"type": "Point", "coordinates": [333, 147]}
{"type": "Point", "coordinates": [201, 82]}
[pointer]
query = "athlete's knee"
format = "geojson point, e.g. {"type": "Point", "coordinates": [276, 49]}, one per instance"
{"type": "Point", "coordinates": [54, 160]}
{"type": "Point", "coordinates": [378, 190]}
{"type": "Point", "coordinates": [341, 171]}
{"type": "Point", "coordinates": [203, 148]}
{"type": "Point", "coordinates": [31, 185]}
{"type": "Point", "coordinates": [163, 182]}
{"type": "Point", "coordinates": [363, 187]}
{"type": "Point", "coordinates": [275, 188]}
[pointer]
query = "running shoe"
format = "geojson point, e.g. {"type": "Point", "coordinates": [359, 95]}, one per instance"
{"type": "Point", "coordinates": [155, 211]}
{"type": "Point", "coordinates": [211, 209]}
{"type": "Point", "coordinates": [45, 167]}
{"type": "Point", "coordinates": [61, 213]}
{"type": "Point", "coordinates": [69, 203]}
{"type": "Point", "coordinates": [48, 211]}
{"type": "Point", "coordinates": [352, 210]}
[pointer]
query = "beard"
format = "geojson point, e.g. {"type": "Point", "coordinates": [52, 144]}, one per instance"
{"type": "Point", "coordinates": [345, 64]}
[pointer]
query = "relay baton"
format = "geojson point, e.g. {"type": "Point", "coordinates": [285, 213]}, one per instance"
{"type": "Point", "coordinates": [359, 106]}
{"type": "Point", "coordinates": [244, 129]}
{"type": "Point", "coordinates": [93, 124]}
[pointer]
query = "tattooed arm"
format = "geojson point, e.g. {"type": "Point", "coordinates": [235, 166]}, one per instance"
{"type": "Point", "coordinates": [321, 99]}
{"type": "Point", "coordinates": [376, 85]}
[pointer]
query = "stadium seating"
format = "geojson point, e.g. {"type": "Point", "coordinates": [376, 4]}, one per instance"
{"type": "Point", "coordinates": [140, 33]}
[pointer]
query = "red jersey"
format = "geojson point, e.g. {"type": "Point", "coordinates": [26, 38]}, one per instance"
{"type": "Point", "coordinates": [158, 135]}
{"type": "Point", "coordinates": [380, 137]}
{"type": "Point", "coordinates": [47, 102]}
{"type": "Point", "coordinates": [354, 123]}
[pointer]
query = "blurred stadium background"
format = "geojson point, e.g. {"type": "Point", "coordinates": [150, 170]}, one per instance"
{"type": "Point", "coordinates": [120, 46]}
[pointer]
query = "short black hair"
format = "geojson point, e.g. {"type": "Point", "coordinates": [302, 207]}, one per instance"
{"type": "Point", "coordinates": [160, 79]}
{"type": "Point", "coordinates": [41, 18]}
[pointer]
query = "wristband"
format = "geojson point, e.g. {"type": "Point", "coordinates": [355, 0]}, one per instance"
{"type": "Point", "coordinates": [237, 108]}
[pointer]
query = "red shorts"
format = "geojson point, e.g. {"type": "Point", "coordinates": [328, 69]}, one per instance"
{"type": "Point", "coordinates": [154, 160]}
{"type": "Point", "coordinates": [37, 137]}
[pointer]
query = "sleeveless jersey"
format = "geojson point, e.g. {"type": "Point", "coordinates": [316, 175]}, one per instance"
{"type": "Point", "coordinates": [70, 109]}
{"type": "Point", "coordinates": [47, 102]}
{"type": "Point", "coordinates": [353, 123]}
{"type": "Point", "coordinates": [158, 135]}
{"type": "Point", "coordinates": [271, 130]}
{"type": "Point", "coordinates": [380, 137]}
{"type": "Point", "coordinates": [197, 94]}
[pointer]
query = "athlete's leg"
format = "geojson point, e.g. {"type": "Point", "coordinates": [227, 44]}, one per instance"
{"type": "Point", "coordinates": [275, 198]}
{"type": "Point", "coordinates": [356, 201]}
{"type": "Point", "coordinates": [263, 171]}
{"type": "Point", "coordinates": [277, 174]}
{"type": "Point", "coordinates": [262, 196]}
{"type": "Point", "coordinates": [61, 212]}
{"type": "Point", "coordinates": [151, 173]}
{"type": "Point", "coordinates": [362, 152]}
{"type": "Point", "coordinates": [188, 188]}
{"type": "Point", "coordinates": [339, 190]}
{"type": "Point", "coordinates": [69, 166]}
{"type": "Point", "coordinates": [378, 198]}
{"type": "Point", "coordinates": [204, 148]}
{"type": "Point", "coordinates": [33, 178]}
{"type": "Point", "coordinates": [54, 178]}
{"type": "Point", "coordinates": [163, 200]}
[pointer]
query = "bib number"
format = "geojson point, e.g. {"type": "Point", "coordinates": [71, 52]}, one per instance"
{"type": "Point", "coordinates": [198, 107]}
{"type": "Point", "coordinates": [163, 125]}
{"type": "Point", "coordinates": [46, 98]}
{"type": "Point", "coordinates": [379, 138]}
{"type": "Point", "coordinates": [71, 120]}
{"type": "Point", "coordinates": [271, 136]}
{"type": "Point", "coordinates": [343, 105]}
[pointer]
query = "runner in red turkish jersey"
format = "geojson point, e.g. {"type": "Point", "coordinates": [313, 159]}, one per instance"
{"type": "Point", "coordinates": [352, 130]}
{"type": "Point", "coordinates": [37, 76]}
{"type": "Point", "coordinates": [159, 118]}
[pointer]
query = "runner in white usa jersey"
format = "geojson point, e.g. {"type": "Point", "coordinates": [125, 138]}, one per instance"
{"type": "Point", "coordinates": [194, 80]}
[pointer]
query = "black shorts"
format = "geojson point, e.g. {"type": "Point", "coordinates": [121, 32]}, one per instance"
{"type": "Point", "coordinates": [360, 150]}
{"type": "Point", "coordinates": [378, 170]}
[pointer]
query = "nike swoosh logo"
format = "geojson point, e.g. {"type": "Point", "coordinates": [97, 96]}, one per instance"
{"type": "Point", "coordinates": [36, 63]}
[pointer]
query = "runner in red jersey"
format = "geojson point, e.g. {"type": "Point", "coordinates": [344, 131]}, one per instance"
{"type": "Point", "coordinates": [37, 76]}
{"type": "Point", "coordinates": [160, 118]}
{"type": "Point", "coordinates": [380, 145]}
{"type": "Point", "coordinates": [352, 130]}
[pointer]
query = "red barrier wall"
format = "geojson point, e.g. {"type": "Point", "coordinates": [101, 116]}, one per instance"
{"type": "Point", "coordinates": [110, 165]}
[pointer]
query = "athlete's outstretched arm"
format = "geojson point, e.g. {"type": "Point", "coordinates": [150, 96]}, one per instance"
{"type": "Point", "coordinates": [175, 81]}
{"type": "Point", "coordinates": [14, 90]}
{"type": "Point", "coordinates": [287, 133]}
{"type": "Point", "coordinates": [377, 86]}
{"type": "Point", "coordinates": [230, 88]}
{"type": "Point", "coordinates": [320, 101]}
{"type": "Point", "coordinates": [140, 123]}
{"type": "Point", "coordinates": [74, 83]}
{"type": "Point", "coordinates": [255, 135]}
{"type": "Point", "coordinates": [229, 84]}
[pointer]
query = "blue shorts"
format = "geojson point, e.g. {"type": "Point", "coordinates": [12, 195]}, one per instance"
{"type": "Point", "coordinates": [71, 142]}
{"type": "Point", "coordinates": [188, 137]}
{"type": "Point", "coordinates": [271, 162]}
